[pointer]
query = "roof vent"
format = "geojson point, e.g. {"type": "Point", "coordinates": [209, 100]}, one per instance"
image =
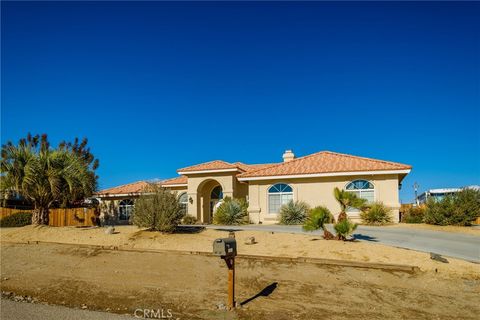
{"type": "Point", "coordinates": [288, 156]}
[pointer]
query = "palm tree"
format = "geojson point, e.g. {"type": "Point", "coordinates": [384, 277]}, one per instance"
{"type": "Point", "coordinates": [317, 218]}
{"type": "Point", "coordinates": [46, 176]}
{"type": "Point", "coordinates": [347, 200]}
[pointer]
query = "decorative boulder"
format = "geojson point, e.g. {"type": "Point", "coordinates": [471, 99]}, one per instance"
{"type": "Point", "coordinates": [110, 230]}
{"type": "Point", "coordinates": [250, 240]}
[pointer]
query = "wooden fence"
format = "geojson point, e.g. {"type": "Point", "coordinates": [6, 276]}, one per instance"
{"type": "Point", "coordinates": [62, 217]}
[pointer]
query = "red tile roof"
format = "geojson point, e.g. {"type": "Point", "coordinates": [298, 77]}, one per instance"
{"type": "Point", "coordinates": [324, 162]}
{"type": "Point", "coordinates": [177, 180]}
{"type": "Point", "coordinates": [134, 187]}
{"type": "Point", "coordinates": [212, 165]}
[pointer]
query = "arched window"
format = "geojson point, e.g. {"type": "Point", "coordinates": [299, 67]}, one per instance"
{"type": "Point", "coordinates": [278, 195]}
{"type": "Point", "coordinates": [217, 193]}
{"type": "Point", "coordinates": [183, 200]}
{"type": "Point", "coordinates": [125, 209]}
{"type": "Point", "coordinates": [363, 189]}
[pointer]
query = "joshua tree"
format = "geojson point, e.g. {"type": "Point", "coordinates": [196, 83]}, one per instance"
{"type": "Point", "coordinates": [347, 200]}
{"type": "Point", "coordinates": [46, 176]}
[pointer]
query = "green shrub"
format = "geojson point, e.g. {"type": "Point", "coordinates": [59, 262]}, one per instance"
{"type": "Point", "coordinates": [188, 219]}
{"type": "Point", "coordinates": [376, 214]}
{"type": "Point", "coordinates": [231, 212]}
{"type": "Point", "coordinates": [458, 209]}
{"type": "Point", "coordinates": [317, 218]}
{"type": "Point", "coordinates": [293, 212]}
{"type": "Point", "coordinates": [413, 215]}
{"type": "Point", "coordinates": [344, 228]}
{"type": "Point", "coordinates": [17, 219]}
{"type": "Point", "coordinates": [157, 209]}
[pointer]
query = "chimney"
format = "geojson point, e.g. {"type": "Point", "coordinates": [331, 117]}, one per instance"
{"type": "Point", "coordinates": [288, 156]}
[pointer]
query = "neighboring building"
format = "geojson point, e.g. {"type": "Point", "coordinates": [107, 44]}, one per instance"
{"type": "Point", "coordinates": [267, 187]}
{"type": "Point", "coordinates": [439, 194]}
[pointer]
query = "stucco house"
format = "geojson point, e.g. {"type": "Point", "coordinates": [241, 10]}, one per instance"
{"type": "Point", "coordinates": [267, 187]}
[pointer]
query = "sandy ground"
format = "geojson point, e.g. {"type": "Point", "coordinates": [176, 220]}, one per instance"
{"type": "Point", "coordinates": [192, 286]}
{"type": "Point", "coordinates": [268, 244]}
{"type": "Point", "coordinates": [474, 230]}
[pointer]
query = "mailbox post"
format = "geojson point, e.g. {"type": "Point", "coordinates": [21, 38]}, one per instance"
{"type": "Point", "coordinates": [226, 248]}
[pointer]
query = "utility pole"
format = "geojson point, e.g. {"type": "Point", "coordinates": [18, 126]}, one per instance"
{"type": "Point", "coordinates": [415, 187]}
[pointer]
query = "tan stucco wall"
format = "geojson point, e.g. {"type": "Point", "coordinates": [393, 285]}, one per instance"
{"type": "Point", "coordinates": [199, 188]}
{"type": "Point", "coordinates": [319, 191]}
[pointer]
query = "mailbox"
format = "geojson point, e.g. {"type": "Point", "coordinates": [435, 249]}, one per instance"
{"type": "Point", "coordinates": [225, 247]}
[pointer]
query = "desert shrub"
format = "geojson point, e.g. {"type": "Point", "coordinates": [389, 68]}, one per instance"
{"type": "Point", "coordinates": [17, 219]}
{"type": "Point", "coordinates": [413, 215]}
{"type": "Point", "coordinates": [376, 214]}
{"type": "Point", "coordinates": [157, 209]}
{"type": "Point", "coordinates": [188, 219]}
{"type": "Point", "coordinates": [344, 228]}
{"type": "Point", "coordinates": [458, 209]}
{"type": "Point", "coordinates": [317, 218]}
{"type": "Point", "coordinates": [293, 212]}
{"type": "Point", "coordinates": [231, 212]}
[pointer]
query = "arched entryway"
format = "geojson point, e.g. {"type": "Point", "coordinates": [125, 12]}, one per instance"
{"type": "Point", "coordinates": [210, 192]}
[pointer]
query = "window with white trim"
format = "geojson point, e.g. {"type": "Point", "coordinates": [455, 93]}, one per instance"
{"type": "Point", "coordinates": [125, 209]}
{"type": "Point", "coordinates": [278, 195]}
{"type": "Point", "coordinates": [183, 200]}
{"type": "Point", "coordinates": [363, 189]}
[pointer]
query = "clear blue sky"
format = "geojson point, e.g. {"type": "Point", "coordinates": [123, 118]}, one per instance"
{"type": "Point", "coordinates": [157, 86]}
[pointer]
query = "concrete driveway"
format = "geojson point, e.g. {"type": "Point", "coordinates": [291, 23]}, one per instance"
{"type": "Point", "coordinates": [456, 245]}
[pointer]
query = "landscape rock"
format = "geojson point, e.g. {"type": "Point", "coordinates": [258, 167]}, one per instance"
{"type": "Point", "coordinates": [110, 230]}
{"type": "Point", "coordinates": [250, 241]}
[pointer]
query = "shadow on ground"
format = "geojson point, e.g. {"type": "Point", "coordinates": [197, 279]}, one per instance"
{"type": "Point", "coordinates": [359, 236]}
{"type": "Point", "coordinates": [189, 229]}
{"type": "Point", "coordinates": [264, 293]}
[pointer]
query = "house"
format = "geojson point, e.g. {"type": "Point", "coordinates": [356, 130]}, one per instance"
{"type": "Point", "coordinates": [439, 194]}
{"type": "Point", "coordinates": [267, 187]}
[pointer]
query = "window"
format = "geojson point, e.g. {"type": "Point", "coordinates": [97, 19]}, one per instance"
{"type": "Point", "coordinates": [363, 189]}
{"type": "Point", "coordinates": [183, 200]}
{"type": "Point", "coordinates": [278, 195]}
{"type": "Point", "coordinates": [217, 193]}
{"type": "Point", "coordinates": [125, 209]}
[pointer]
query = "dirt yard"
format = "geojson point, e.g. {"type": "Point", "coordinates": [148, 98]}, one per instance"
{"type": "Point", "coordinates": [193, 286]}
{"type": "Point", "coordinates": [473, 230]}
{"type": "Point", "coordinates": [268, 244]}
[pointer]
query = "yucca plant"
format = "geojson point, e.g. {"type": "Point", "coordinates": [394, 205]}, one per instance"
{"type": "Point", "coordinates": [293, 212]}
{"type": "Point", "coordinates": [376, 214]}
{"type": "Point", "coordinates": [232, 211]}
{"type": "Point", "coordinates": [347, 200]}
{"type": "Point", "coordinates": [317, 218]}
{"type": "Point", "coordinates": [344, 228]}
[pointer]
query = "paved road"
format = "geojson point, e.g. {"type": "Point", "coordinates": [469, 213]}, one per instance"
{"type": "Point", "coordinates": [456, 245]}
{"type": "Point", "coordinates": [11, 310]}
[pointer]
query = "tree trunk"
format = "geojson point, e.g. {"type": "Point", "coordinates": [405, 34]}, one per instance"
{"type": "Point", "coordinates": [342, 216]}
{"type": "Point", "coordinates": [327, 235]}
{"type": "Point", "coordinates": [40, 216]}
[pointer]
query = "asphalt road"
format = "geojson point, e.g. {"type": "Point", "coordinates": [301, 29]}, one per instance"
{"type": "Point", "coordinates": [456, 245]}
{"type": "Point", "coordinates": [11, 310]}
